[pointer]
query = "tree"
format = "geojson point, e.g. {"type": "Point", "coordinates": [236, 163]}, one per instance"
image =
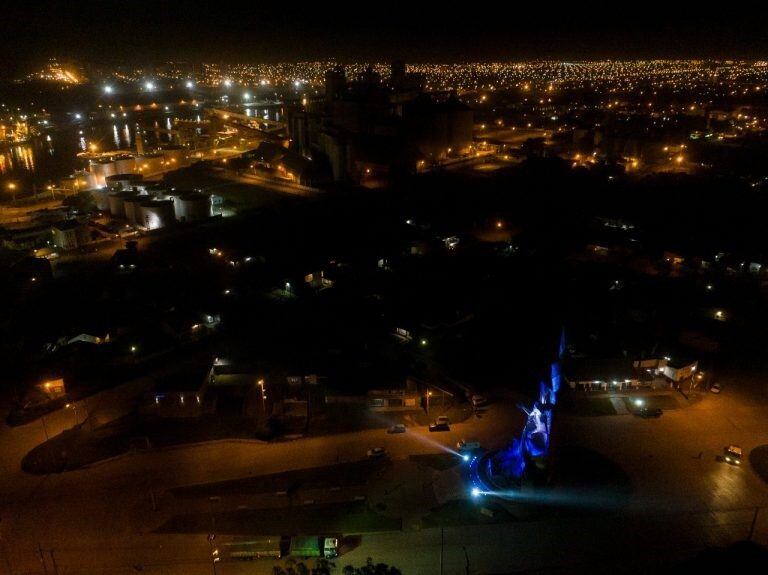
{"type": "Point", "coordinates": [371, 568]}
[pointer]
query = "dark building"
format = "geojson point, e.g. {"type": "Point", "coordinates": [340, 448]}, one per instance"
{"type": "Point", "coordinates": [369, 128]}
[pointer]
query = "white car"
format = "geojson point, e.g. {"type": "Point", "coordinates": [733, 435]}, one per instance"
{"type": "Point", "coordinates": [715, 388]}
{"type": "Point", "coordinates": [376, 452]}
{"type": "Point", "coordinates": [478, 400]}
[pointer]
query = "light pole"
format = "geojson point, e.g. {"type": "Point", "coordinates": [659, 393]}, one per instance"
{"type": "Point", "coordinates": [12, 189]}
{"type": "Point", "coordinates": [45, 427]}
{"type": "Point", "coordinates": [263, 397]}
{"type": "Point", "coordinates": [74, 408]}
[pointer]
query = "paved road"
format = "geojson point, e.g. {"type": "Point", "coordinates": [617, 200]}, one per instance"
{"type": "Point", "coordinates": [100, 520]}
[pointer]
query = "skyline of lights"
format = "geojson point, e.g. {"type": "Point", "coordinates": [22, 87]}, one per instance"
{"type": "Point", "coordinates": [524, 75]}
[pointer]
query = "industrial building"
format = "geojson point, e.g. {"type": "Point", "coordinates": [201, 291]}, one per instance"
{"type": "Point", "coordinates": [367, 128]}
{"type": "Point", "coordinates": [70, 234]}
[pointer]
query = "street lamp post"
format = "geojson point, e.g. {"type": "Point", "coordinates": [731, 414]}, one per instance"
{"type": "Point", "coordinates": [45, 428]}
{"type": "Point", "coordinates": [263, 397]}
{"type": "Point", "coordinates": [73, 406]}
{"type": "Point", "coordinates": [12, 189]}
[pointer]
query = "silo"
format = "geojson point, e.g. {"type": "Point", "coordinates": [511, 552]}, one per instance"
{"type": "Point", "coordinates": [100, 198]}
{"type": "Point", "coordinates": [123, 182]}
{"type": "Point", "coordinates": [192, 206]}
{"type": "Point", "coordinates": [157, 189]}
{"type": "Point", "coordinates": [125, 164]}
{"type": "Point", "coordinates": [132, 208]}
{"type": "Point", "coordinates": [102, 169]}
{"type": "Point", "coordinates": [117, 203]}
{"type": "Point", "coordinates": [157, 214]}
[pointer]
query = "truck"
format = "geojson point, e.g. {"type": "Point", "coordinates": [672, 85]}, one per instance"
{"type": "Point", "coordinates": [250, 548]}
{"type": "Point", "coordinates": [314, 546]}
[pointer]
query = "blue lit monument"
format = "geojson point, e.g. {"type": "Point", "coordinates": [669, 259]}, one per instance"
{"type": "Point", "coordinates": [506, 468]}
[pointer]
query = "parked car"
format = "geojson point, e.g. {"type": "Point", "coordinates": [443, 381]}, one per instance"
{"type": "Point", "coordinates": [376, 452]}
{"type": "Point", "coordinates": [647, 412]}
{"type": "Point", "coordinates": [397, 428]}
{"type": "Point", "coordinates": [443, 419]}
{"type": "Point", "coordinates": [478, 400]}
{"type": "Point", "coordinates": [439, 427]}
{"type": "Point", "coordinates": [715, 388]}
{"type": "Point", "coordinates": [467, 445]}
{"type": "Point", "coordinates": [732, 454]}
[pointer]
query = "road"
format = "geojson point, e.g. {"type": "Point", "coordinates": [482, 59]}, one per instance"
{"type": "Point", "coordinates": [101, 519]}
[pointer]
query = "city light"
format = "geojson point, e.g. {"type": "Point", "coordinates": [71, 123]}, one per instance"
{"type": "Point", "coordinates": [107, 89]}
{"type": "Point", "coordinates": [149, 86]}
{"type": "Point", "coordinates": [190, 84]}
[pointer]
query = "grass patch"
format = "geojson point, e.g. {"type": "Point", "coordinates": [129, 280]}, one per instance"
{"type": "Point", "coordinates": [350, 517]}
{"type": "Point", "coordinates": [593, 406]}
{"type": "Point", "coordinates": [342, 475]}
{"type": "Point", "coordinates": [464, 512]}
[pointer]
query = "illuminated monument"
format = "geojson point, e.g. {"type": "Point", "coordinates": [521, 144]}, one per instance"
{"type": "Point", "coordinates": [506, 468]}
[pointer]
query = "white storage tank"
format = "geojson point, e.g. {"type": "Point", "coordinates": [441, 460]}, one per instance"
{"type": "Point", "coordinates": [156, 214]}
{"type": "Point", "coordinates": [117, 203]}
{"type": "Point", "coordinates": [100, 198]}
{"type": "Point", "coordinates": [156, 188]}
{"type": "Point", "coordinates": [192, 206]}
{"type": "Point", "coordinates": [124, 164]}
{"type": "Point", "coordinates": [102, 169]}
{"type": "Point", "coordinates": [124, 182]}
{"type": "Point", "coordinates": [132, 208]}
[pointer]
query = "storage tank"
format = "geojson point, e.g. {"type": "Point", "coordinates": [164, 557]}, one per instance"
{"type": "Point", "coordinates": [123, 182]}
{"type": "Point", "coordinates": [156, 214]}
{"type": "Point", "coordinates": [117, 203]}
{"type": "Point", "coordinates": [157, 189]}
{"type": "Point", "coordinates": [132, 208]}
{"type": "Point", "coordinates": [192, 206]}
{"type": "Point", "coordinates": [102, 169]}
{"type": "Point", "coordinates": [151, 163]}
{"type": "Point", "coordinates": [100, 198]}
{"type": "Point", "coordinates": [124, 164]}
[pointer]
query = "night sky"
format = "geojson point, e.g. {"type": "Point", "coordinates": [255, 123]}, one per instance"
{"type": "Point", "coordinates": [141, 31]}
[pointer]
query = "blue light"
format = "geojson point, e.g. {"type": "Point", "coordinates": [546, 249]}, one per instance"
{"type": "Point", "coordinates": [475, 492]}
{"type": "Point", "coordinates": [465, 457]}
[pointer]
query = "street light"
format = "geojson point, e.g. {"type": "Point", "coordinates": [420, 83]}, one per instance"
{"type": "Point", "coordinates": [12, 189]}
{"type": "Point", "coordinates": [263, 396]}
{"type": "Point", "coordinates": [107, 89]}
